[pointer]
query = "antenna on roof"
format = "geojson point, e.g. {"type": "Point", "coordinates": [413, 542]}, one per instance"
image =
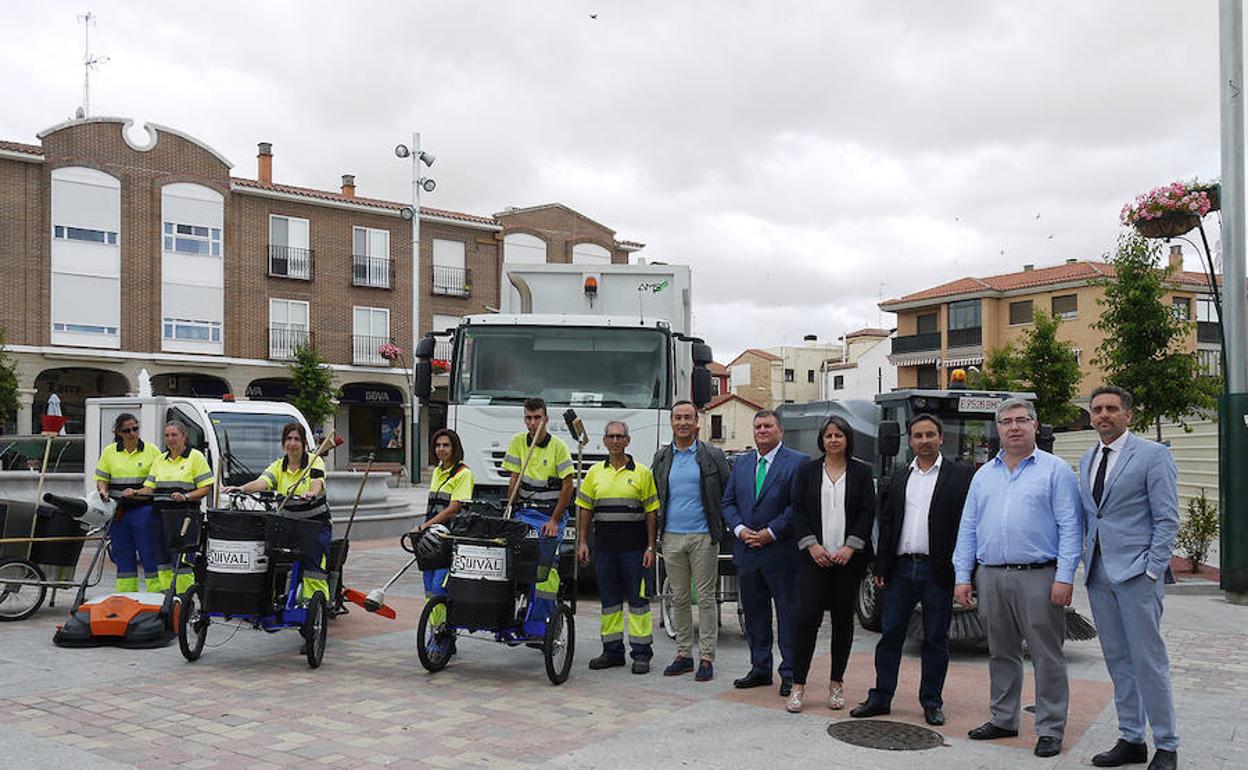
{"type": "Point", "coordinates": [89, 62]}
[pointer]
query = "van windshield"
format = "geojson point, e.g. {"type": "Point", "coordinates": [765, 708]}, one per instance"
{"type": "Point", "coordinates": [249, 442]}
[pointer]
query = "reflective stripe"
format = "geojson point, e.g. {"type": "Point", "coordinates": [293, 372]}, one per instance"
{"type": "Point", "coordinates": [175, 486]}
{"type": "Point", "coordinates": [563, 466]}
{"type": "Point", "coordinates": [269, 478]}
{"type": "Point", "coordinates": [649, 501]}
{"type": "Point", "coordinates": [584, 500]}
{"type": "Point", "coordinates": [127, 584]}
{"type": "Point", "coordinates": [103, 475]}
{"type": "Point", "coordinates": [511, 459]}
{"type": "Point", "coordinates": [127, 481]}
{"type": "Point", "coordinates": [201, 478]}
{"type": "Point", "coordinates": [616, 504]}
{"type": "Point", "coordinates": [549, 588]}
{"type": "Point", "coordinates": [612, 609]}
{"type": "Point", "coordinates": [619, 516]}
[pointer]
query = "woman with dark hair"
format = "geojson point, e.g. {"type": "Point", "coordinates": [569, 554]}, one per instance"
{"type": "Point", "coordinates": [119, 475]}
{"type": "Point", "coordinates": [182, 476]}
{"type": "Point", "coordinates": [450, 487]}
{"type": "Point", "coordinates": [833, 513]}
{"type": "Point", "coordinates": [285, 476]}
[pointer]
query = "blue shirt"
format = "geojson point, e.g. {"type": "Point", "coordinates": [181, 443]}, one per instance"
{"type": "Point", "coordinates": [685, 514]}
{"type": "Point", "coordinates": [1029, 516]}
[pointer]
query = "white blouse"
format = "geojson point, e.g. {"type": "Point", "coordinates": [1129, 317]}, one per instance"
{"type": "Point", "coordinates": [832, 510]}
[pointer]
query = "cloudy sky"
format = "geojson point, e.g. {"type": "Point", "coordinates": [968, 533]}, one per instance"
{"type": "Point", "coordinates": [805, 158]}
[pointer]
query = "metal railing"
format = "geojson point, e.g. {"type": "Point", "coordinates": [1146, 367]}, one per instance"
{"type": "Point", "coordinates": [1208, 331]}
{"type": "Point", "coordinates": [284, 339]}
{"type": "Point", "coordinates": [452, 281]}
{"type": "Point", "coordinates": [961, 338]}
{"type": "Point", "coordinates": [442, 349]}
{"type": "Point", "coordinates": [371, 271]}
{"type": "Point", "coordinates": [290, 262]}
{"type": "Point", "coordinates": [916, 343]}
{"type": "Point", "coordinates": [364, 349]}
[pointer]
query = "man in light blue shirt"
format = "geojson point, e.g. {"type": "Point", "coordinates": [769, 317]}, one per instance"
{"type": "Point", "coordinates": [1022, 527]}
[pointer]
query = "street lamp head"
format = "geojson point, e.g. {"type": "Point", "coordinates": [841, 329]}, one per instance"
{"type": "Point", "coordinates": [428, 184]}
{"type": "Point", "coordinates": [401, 151]}
{"type": "Point", "coordinates": [407, 213]}
{"type": "Point", "coordinates": [427, 158]}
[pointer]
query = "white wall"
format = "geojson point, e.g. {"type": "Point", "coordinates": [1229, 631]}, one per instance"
{"type": "Point", "coordinates": [590, 254]}
{"type": "Point", "coordinates": [191, 284]}
{"type": "Point", "coordinates": [86, 288]}
{"type": "Point", "coordinates": [871, 374]}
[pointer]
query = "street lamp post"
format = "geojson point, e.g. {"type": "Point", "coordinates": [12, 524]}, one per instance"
{"type": "Point", "coordinates": [419, 183]}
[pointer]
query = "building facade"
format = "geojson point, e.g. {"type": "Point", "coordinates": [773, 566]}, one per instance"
{"type": "Point", "coordinates": [728, 423]}
{"type": "Point", "coordinates": [788, 374]}
{"type": "Point", "coordinates": [955, 324]}
{"type": "Point", "coordinates": [122, 257]}
{"type": "Point", "coordinates": [867, 370]}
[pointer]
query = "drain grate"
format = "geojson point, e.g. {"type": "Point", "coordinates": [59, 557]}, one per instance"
{"type": "Point", "coordinates": [886, 735]}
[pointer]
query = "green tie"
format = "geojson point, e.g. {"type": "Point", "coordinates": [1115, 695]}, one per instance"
{"type": "Point", "coordinates": [760, 475]}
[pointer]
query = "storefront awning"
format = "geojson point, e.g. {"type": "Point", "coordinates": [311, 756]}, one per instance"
{"type": "Point", "coordinates": [963, 361]}
{"type": "Point", "coordinates": [913, 359]}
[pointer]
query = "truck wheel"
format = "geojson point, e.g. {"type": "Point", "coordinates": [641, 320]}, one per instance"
{"type": "Point", "coordinates": [868, 606]}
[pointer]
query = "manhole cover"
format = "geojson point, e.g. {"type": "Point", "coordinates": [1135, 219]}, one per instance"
{"type": "Point", "coordinates": [882, 734]}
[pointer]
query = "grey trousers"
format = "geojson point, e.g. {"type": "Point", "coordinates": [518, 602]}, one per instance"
{"type": "Point", "coordinates": [692, 560]}
{"type": "Point", "coordinates": [1015, 607]}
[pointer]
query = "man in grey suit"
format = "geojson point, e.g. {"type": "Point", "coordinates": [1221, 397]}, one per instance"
{"type": "Point", "coordinates": [1131, 516]}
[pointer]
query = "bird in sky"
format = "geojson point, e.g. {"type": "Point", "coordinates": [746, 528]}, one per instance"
{"type": "Point", "coordinates": [593, 16]}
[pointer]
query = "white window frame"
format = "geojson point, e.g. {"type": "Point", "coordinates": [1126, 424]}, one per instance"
{"type": "Point", "coordinates": [283, 348]}
{"type": "Point", "coordinates": [365, 343]}
{"type": "Point", "coordinates": [298, 267]}
{"type": "Point", "coordinates": [177, 234]}
{"type": "Point", "coordinates": [447, 282]}
{"type": "Point", "coordinates": [376, 269]}
{"type": "Point", "coordinates": [86, 234]}
{"type": "Point", "coordinates": [1206, 310]}
{"type": "Point", "coordinates": [178, 329]}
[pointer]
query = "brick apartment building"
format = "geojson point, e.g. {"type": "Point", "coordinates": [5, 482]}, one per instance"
{"type": "Point", "coordinates": [955, 324]}
{"type": "Point", "coordinates": [120, 257]}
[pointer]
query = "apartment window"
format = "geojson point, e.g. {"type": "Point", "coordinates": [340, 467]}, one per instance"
{"type": "Point", "coordinates": [84, 328]}
{"type": "Point", "coordinates": [1182, 308]}
{"type": "Point", "coordinates": [87, 234]}
{"type": "Point", "coordinates": [371, 330]}
{"type": "Point", "coordinates": [191, 329]}
{"type": "Point", "coordinates": [927, 323]}
{"type": "Point", "coordinates": [1206, 310]}
{"type": "Point", "coordinates": [442, 349]}
{"type": "Point", "coordinates": [838, 382]}
{"type": "Point", "coordinates": [193, 239]}
{"type": "Point", "coordinates": [289, 254]}
{"type": "Point", "coordinates": [450, 274]}
{"type": "Point", "coordinates": [288, 327]}
{"type": "Point", "coordinates": [717, 427]}
{"type": "Point", "coordinates": [1209, 362]}
{"type": "Point", "coordinates": [370, 257]}
{"type": "Point", "coordinates": [788, 375]}
{"type": "Point", "coordinates": [927, 377]}
{"type": "Point", "coordinates": [964, 315]}
{"type": "Point", "coordinates": [1065, 306]}
{"type": "Point", "coordinates": [1020, 312]}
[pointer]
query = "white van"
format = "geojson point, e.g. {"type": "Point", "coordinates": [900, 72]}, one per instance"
{"type": "Point", "coordinates": [239, 438]}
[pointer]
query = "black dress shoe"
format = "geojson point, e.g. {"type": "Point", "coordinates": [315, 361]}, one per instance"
{"type": "Point", "coordinates": [1123, 753]}
{"type": "Point", "coordinates": [988, 732]}
{"type": "Point", "coordinates": [869, 709]}
{"type": "Point", "coordinates": [786, 687]}
{"type": "Point", "coordinates": [1048, 746]}
{"type": "Point", "coordinates": [934, 716]}
{"type": "Point", "coordinates": [1164, 760]}
{"type": "Point", "coordinates": [752, 679]}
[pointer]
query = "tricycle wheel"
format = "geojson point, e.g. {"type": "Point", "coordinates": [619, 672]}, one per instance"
{"type": "Point", "coordinates": [315, 626]}
{"type": "Point", "coordinates": [559, 644]}
{"type": "Point", "coordinates": [869, 607]}
{"type": "Point", "coordinates": [192, 623]}
{"type": "Point", "coordinates": [434, 637]}
{"type": "Point", "coordinates": [20, 600]}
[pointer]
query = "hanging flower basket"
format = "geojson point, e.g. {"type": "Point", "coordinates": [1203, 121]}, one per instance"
{"type": "Point", "coordinates": [1214, 193]}
{"type": "Point", "coordinates": [1169, 226]}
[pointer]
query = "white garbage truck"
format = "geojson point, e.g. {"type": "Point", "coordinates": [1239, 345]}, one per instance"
{"type": "Point", "coordinates": [609, 341]}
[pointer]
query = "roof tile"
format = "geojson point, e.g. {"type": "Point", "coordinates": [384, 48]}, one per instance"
{"type": "Point", "coordinates": [309, 192]}
{"type": "Point", "coordinates": [30, 149]}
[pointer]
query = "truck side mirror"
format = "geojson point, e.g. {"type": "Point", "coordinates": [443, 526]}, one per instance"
{"type": "Point", "coordinates": [701, 390]}
{"type": "Point", "coordinates": [888, 438]}
{"type": "Point", "coordinates": [702, 354]}
{"type": "Point", "coordinates": [1044, 438]}
{"type": "Point", "coordinates": [424, 378]}
{"type": "Point", "coordinates": [424, 348]}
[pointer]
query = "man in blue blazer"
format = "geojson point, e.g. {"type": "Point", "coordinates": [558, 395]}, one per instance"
{"type": "Point", "coordinates": [1131, 516]}
{"type": "Point", "coordinates": [757, 511]}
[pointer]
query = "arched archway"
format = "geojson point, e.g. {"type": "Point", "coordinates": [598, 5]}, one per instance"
{"type": "Point", "coordinates": [73, 386]}
{"type": "Point", "coordinates": [192, 384]}
{"type": "Point", "coordinates": [271, 389]}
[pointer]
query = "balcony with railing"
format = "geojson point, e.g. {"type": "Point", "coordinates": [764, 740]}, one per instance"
{"type": "Point", "coordinates": [284, 339]}
{"type": "Point", "coordinates": [917, 343]}
{"type": "Point", "coordinates": [371, 271]}
{"type": "Point", "coordinates": [290, 262]}
{"type": "Point", "coordinates": [1208, 331]}
{"type": "Point", "coordinates": [442, 349]}
{"type": "Point", "coordinates": [451, 281]}
{"type": "Point", "coordinates": [364, 350]}
{"type": "Point", "coordinates": [965, 338]}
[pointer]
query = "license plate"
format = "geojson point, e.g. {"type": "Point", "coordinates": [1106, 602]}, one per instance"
{"type": "Point", "coordinates": [978, 404]}
{"type": "Point", "coordinates": [479, 562]}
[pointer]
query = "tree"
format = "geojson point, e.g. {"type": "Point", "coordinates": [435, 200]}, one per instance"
{"type": "Point", "coordinates": [1000, 370]}
{"type": "Point", "coordinates": [313, 385]}
{"type": "Point", "coordinates": [1143, 346]}
{"type": "Point", "coordinates": [8, 385]}
{"type": "Point", "coordinates": [1050, 369]}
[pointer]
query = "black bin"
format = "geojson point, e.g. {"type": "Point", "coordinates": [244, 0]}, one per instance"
{"type": "Point", "coordinates": [173, 516]}
{"type": "Point", "coordinates": [53, 522]}
{"type": "Point", "coordinates": [481, 591]}
{"type": "Point", "coordinates": [238, 575]}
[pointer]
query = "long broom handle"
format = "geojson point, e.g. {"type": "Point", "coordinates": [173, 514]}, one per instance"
{"type": "Point", "coordinates": [43, 471]}
{"type": "Point", "coordinates": [358, 496]}
{"type": "Point", "coordinates": [537, 437]}
{"type": "Point", "coordinates": [321, 451]}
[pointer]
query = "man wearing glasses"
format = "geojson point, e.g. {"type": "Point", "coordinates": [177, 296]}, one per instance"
{"type": "Point", "coordinates": [1021, 536]}
{"type": "Point", "coordinates": [619, 495]}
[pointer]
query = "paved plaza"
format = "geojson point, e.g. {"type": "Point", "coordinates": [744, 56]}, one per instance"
{"type": "Point", "coordinates": [252, 702]}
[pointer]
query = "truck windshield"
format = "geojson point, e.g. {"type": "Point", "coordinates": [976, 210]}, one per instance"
{"type": "Point", "coordinates": [249, 441]}
{"type": "Point", "coordinates": [564, 365]}
{"type": "Point", "coordinates": [970, 440]}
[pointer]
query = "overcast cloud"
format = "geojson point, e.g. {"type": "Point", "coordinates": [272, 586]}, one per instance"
{"type": "Point", "coordinates": [805, 158]}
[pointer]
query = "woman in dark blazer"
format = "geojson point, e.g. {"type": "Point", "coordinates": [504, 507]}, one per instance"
{"type": "Point", "coordinates": [833, 512]}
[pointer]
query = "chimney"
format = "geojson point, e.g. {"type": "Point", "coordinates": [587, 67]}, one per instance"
{"type": "Point", "coordinates": [811, 338]}
{"type": "Point", "coordinates": [1028, 268]}
{"type": "Point", "coordinates": [1176, 257]}
{"type": "Point", "coordinates": [348, 185]}
{"type": "Point", "coordinates": [1071, 261]}
{"type": "Point", "coordinates": [264, 162]}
